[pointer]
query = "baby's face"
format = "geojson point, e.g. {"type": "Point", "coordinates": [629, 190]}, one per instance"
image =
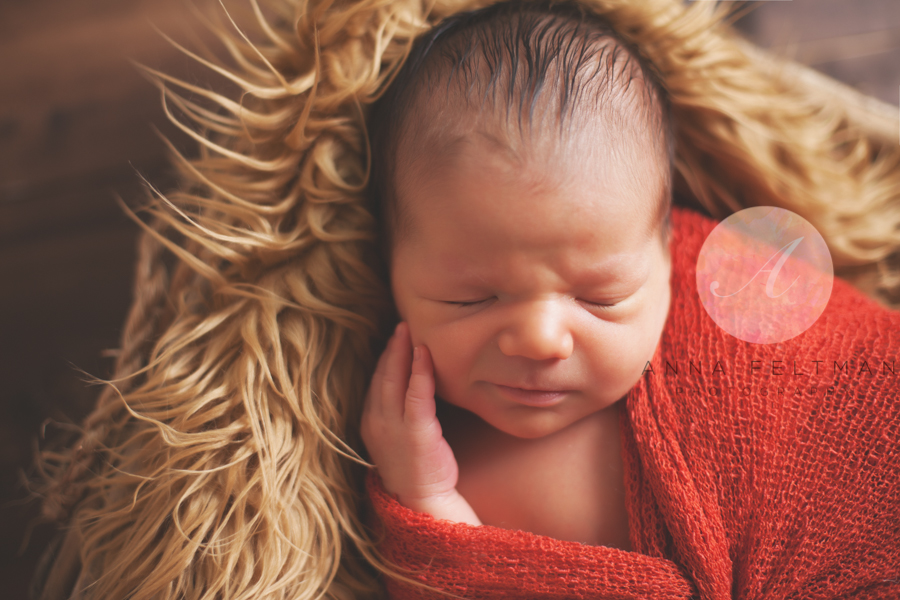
{"type": "Point", "coordinates": [546, 276]}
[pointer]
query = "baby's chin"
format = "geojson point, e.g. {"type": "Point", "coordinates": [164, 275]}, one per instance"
{"type": "Point", "coordinates": [529, 423]}
{"type": "Point", "coordinates": [541, 425]}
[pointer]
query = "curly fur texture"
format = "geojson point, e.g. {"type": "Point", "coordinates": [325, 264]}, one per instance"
{"type": "Point", "coordinates": [223, 460]}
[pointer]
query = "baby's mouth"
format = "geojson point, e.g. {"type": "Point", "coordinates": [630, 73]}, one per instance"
{"type": "Point", "coordinates": [539, 398]}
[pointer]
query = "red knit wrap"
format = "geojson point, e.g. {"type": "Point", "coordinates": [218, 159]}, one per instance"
{"type": "Point", "coordinates": [743, 494]}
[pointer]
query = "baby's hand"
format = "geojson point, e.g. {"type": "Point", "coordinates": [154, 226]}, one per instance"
{"type": "Point", "coordinates": [403, 435]}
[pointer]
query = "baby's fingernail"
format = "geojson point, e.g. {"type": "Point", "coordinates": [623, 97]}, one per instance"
{"type": "Point", "coordinates": [417, 353]}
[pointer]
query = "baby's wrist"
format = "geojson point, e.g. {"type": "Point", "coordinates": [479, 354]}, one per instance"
{"type": "Point", "coordinates": [450, 506]}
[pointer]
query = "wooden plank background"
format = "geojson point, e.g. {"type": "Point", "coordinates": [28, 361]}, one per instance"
{"type": "Point", "coordinates": [75, 126]}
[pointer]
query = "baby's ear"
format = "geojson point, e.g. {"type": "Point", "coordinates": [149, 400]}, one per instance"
{"type": "Point", "coordinates": [666, 229]}
{"type": "Point", "coordinates": [667, 237]}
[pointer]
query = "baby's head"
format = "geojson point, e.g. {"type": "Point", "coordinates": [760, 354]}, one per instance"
{"type": "Point", "coordinates": [522, 165]}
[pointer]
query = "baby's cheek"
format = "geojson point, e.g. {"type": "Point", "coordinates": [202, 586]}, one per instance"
{"type": "Point", "coordinates": [444, 377]}
{"type": "Point", "coordinates": [649, 333]}
{"type": "Point", "coordinates": [451, 350]}
{"type": "Point", "coordinates": [621, 360]}
{"type": "Point", "coordinates": [455, 377]}
{"type": "Point", "coordinates": [440, 385]}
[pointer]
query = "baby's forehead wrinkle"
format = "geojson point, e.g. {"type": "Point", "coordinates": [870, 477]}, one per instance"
{"type": "Point", "coordinates": [498, 144]}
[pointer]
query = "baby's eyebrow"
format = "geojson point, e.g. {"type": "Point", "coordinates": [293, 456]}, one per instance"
{"type": "Point", "coordinates": [621, 267]}
{"type": "Point", "coordinates": [619, 279]}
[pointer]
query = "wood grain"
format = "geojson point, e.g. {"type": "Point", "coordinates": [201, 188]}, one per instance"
{"type": "Point", "coordinates": [76, 125]}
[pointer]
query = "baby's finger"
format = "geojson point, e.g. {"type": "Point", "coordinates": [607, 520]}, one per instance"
{"type": "Point", "coordinates": [382, 360]}
{"type": "Point", "coordinates": [373, 401]}
{"type": "Point", "coordinates": [420, 407]}
{"type": "Point", "coordinates": [396, 373]}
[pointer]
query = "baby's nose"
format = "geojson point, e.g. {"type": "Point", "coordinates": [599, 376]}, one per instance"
{"type": "Point", "coordinates": [537, 331]}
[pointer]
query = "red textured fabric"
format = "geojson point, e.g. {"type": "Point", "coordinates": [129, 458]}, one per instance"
{"type": "Point", "coordinates": [743, 494]}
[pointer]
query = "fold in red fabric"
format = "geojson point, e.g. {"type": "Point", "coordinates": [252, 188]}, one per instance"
{"type": "Point", "coordinates": [740, 483]}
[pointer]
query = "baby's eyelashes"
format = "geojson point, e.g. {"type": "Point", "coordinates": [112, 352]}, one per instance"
{"type": "Point", "coordinates": [467, 303]}
{"type": "Point", "coordinates": [603, 305]}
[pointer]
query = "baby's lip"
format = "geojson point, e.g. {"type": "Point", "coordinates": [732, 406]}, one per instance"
{"type": "Point", "coordinates": [527, 388]}
{"type": "Point", "coordinates": [532, 397]}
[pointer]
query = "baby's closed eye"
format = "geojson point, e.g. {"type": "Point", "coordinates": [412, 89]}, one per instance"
{"type": "Point", "coordinates": [464, 303]}
{"type": "Point", "coordinates": [603, 304]}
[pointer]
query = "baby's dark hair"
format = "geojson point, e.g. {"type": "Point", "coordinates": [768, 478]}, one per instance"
{"type": "Point", "coordinates": [519, 39]}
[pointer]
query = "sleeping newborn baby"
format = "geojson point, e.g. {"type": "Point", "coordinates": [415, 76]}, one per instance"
{"type": "Point", "coordinates": [522, 162]}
